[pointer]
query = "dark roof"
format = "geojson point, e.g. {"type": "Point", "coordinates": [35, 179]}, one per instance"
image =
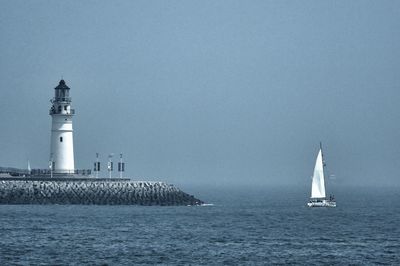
{"type": "Point", "coordinates": [62, 85]}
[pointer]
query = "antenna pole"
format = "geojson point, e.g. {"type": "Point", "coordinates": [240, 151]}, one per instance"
{"type": "Point", "coordinates": [110, 164]}
{"type": "Point", "coordinates": [120, 166]}
{"type": "Point", "coordinates": [96, 166]}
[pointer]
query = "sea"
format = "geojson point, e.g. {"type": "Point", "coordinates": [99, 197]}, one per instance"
{"type": "Point", "coordinates": [244, 226]}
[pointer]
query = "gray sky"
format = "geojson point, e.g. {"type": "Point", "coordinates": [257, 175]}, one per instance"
{"type": "Point", "coordinates": [208, 92]}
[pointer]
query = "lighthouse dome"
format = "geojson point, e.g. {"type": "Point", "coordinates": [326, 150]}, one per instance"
{"type": "Point", "coordinates": [62, 85]}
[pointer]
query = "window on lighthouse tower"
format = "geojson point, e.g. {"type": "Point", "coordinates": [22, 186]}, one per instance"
{"type": "Point", "coordinates": [61, 139]}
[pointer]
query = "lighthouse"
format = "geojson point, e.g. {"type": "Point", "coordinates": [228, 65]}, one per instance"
{"type": "Point", "coordinates": [62, 143]}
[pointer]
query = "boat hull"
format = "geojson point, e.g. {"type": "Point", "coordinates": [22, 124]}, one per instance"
{"type": "Point", "coordinates": [322, 203]}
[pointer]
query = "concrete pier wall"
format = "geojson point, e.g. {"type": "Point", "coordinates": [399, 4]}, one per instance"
{"type": "Point", "coordinates": [92, 191]}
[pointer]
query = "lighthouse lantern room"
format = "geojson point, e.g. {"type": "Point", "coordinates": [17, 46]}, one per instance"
{"type": "Point", "coordinates": [62, 144]}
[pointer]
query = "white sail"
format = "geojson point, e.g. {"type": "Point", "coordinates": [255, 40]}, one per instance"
{"type": "Point", "coordinates": [318, 180]}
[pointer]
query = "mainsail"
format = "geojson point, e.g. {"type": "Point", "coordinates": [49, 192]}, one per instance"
{"type": "Point", "coordinates": [318, 180]}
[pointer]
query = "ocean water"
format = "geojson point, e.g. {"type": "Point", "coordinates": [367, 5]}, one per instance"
{"type": "Point", "coordinates": [253, 227]}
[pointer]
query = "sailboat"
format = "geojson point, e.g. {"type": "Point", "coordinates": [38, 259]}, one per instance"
{"type": "Point", "coordinates": [318, 196]}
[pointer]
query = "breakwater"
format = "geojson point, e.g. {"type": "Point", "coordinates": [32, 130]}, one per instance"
{"type": "Point", "coordinates": [91, 191]}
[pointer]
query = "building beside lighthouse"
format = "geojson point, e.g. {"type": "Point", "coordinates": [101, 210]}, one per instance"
{"type": "Point", "coordinates": [62, 142]}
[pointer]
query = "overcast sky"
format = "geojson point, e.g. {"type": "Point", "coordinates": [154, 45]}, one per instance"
{"type": "Point", "coordinates": [208, 92]}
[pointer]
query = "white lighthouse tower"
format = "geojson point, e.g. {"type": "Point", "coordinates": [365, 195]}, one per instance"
{"type": "Point", "coordinates": [62, 143]}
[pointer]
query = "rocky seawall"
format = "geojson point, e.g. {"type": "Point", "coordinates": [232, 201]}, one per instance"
{"type": "Point", "coordinates": [92, 191]}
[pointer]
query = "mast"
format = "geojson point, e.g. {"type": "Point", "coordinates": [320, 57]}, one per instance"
{"type": "Point", "coordinates": [323, 165]}
{"type": "Point", "coordinates": [322, 155]}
